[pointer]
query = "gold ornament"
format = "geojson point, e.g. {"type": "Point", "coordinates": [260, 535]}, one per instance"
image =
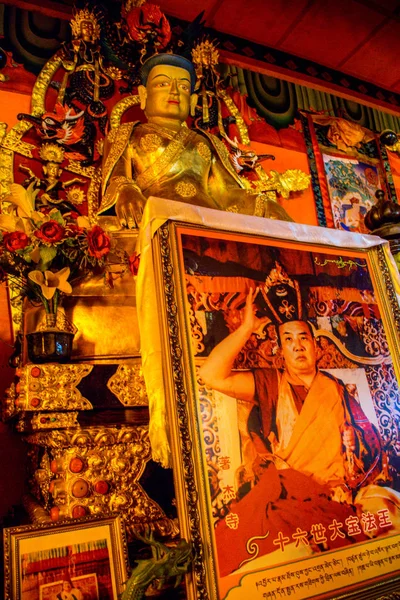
{"type": "Point", "coordinates": [98, 469]}
{"type": "Point", "coordinates": [53, 387]}
{"type": "Point", "coordinates": [204, 151]}
{"type": "Point", "coordinates": [205, 55]}
{"type": "Point", "coordinates": [292, 180]}
{"type": "Point", "coordinates": [52, 153]}
{"type": "Point", "coordinates": [9, 406]}
{"type": "Point", "coordinates": [76, 195]}
{"type": "Point", "coordinates": [186, 189]}
{"type": "Point", "coordinates": [80, 19]}
{"type": "Point", "coordinates": [150, 142]}
{"type": "Point", "coordinates": [127, 384]}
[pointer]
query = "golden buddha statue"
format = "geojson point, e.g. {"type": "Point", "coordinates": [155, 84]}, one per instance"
{"type": "Point", "coordinates": [164, 158]}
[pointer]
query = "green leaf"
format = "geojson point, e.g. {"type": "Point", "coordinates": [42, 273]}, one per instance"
{"type": "Point", "coordinates": [47, 254]}
{"type": "Point", "coordinates": [57, 216]}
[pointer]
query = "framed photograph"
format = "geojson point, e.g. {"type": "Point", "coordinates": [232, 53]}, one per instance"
{"type": "Point", "coordinates": [280, 350]}
{"type": "Point", "coordinates": [84, 559]}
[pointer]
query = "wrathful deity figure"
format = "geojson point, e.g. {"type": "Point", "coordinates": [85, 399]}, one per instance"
{"type": "Point", "coordinates": [165, 158]}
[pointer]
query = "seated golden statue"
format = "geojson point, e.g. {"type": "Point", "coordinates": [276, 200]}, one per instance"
{"type": "Point", "coordinates": [165, 158]}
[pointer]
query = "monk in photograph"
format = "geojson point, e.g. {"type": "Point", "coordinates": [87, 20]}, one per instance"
{"type": "Point", "coordinates": [318, 459]}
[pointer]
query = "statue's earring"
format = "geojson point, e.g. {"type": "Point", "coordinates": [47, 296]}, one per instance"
{"type": "Point", "coordinates": [142, 92]}
{"type": "Point", "coordinates": [193, 104]}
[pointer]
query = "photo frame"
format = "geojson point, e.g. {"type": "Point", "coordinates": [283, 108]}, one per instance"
{"type": "Point", "coordinates": [89, 555]}
{"type": "Point", "coordinates": [348, 286]}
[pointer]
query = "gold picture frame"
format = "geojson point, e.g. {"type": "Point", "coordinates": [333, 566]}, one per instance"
{"type": "Point", "coordinates": [89, 555]}
{"type": "Point", "coordinates": [190, 283]}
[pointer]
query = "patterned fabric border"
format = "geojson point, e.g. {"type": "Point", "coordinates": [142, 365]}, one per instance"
{"type": "Point", "coordinates": [391, 190]}
{"type": "Point", "coordinates": [319, 204]}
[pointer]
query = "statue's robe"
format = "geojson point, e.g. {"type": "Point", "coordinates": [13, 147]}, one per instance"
{"type": "Point", "coordinates": [189, 166]}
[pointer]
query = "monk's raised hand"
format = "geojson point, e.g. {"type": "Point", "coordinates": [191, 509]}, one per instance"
{"type": "Point", "coordinates": [250, 320]}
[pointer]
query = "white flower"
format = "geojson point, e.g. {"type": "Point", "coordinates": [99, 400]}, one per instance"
{"type": "Point", "coordinates": [49, 282]}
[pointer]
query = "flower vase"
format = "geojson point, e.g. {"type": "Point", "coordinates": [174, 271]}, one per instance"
{"type": "Point", "coordinates": [49, 344]}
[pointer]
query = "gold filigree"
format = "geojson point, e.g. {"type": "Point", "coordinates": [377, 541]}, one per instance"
{"type": "Point", "coordinates": [176, 353]}
{"type": "Point", "coordinates": [118, 110]}
{"type": "Point", "coordinates": [259, 205]}
{"type": "Point", "coordinates": [185, 189]}
{"type": "Point", "coordinates": [93, 195]}
{"type": "Point", "coordinates": [54, 420]}
{"type": "Point", "coordinates": [204, 151]}
{"type": "Point", "coordinates": [9, 407]}
{"type": "Point", "coordinates": [223, 155]}
{"type": "Point", "coordinates": [234, 208]}
{"type": "Point", "coordinates": [101, 476]}
{"type": "Point", "coordinates": [53, 387]}
{"type": "Point", "coordinates": [6, 171]}
{"type": "Point", "coordinates": [127, 384]}
{"type": "Point", "coordinates": [235, 112]}
{"type": "Point", "coordinates": [75, 195]}
{"type": "Point", "coordinates": [75, 167]}
{"type": "Point", "coordinates": [119, 140]}
{"type": "Point", "coordinates": [85, 436]}
{"type": "Point", "coordinates": [205, 54]}
{"type": "Point", "coordinates": [168, 157]}
{"type": "Point", "coordinates": [292, 180]}
{"type": "Point", "coordinates": [52, 153]}
{"type": "Point", "coordinates": [150, 142]}
{"type": "Point", "coordinates": [12, 141]}
{"type": "Point", "coordinates": [85, 16]}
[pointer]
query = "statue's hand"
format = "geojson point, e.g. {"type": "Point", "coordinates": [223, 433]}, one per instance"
{"type": "Point", "coordinates": [129, 206]}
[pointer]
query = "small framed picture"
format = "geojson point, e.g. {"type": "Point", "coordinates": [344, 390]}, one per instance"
{"type": "Point", "coordinates": [78, 560]}
{"type": "Point", "coordinates": [279, 347]}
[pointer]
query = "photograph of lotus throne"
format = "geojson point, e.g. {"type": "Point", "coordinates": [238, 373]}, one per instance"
{"type": "Point", "coordinates": [298, 398]}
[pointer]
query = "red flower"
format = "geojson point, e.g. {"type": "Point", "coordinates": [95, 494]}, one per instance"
{"type": "Point", "coordinates": [99, 243]}
{"type": "Point", "coordinates": [133, 262]}
{"type": "Point", "coordinates": [16, 240]}
{"type": "Point", "coordinates": [50, 232]}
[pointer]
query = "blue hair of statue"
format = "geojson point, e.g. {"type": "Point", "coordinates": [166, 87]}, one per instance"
{"type": "Point", "coordinates": [172, 60]}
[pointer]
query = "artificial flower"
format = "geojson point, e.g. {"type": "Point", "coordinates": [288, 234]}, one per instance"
{"type": "Point", "coordinates": [99, 243]}
{"type": "Point", "coordinates": [133, 263]}
{"type": "Point", "coordinates": [50, 232]}
{"type": "Point", "coordinates": [13, 223]}
{"type": "Point", "coordinates": [23, 198]}
{"type": "Point", "coordinates": [15, 240]}
{"type": "Point", "coordinates": [49, 282]}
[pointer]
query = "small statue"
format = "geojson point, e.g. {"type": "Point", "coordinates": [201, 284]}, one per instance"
{"type": "Point", "coordinates": [166, 562]}
{"type": "Point", "coordinates": [53, 155]}
{"type": "Point", "coordinates": [164, 158]}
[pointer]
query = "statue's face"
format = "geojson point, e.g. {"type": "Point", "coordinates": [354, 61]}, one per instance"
{"type": "Point", "coordinates": [87, 30]}
{"type": "Point", "coordinates": [52, 170]}
{"type": "Point", "coordinates": [168, 93]}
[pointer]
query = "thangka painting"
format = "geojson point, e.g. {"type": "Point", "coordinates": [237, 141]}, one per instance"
{"type": "Point", "coordinates": [352, 185]}
{"type": "Point", "coordinates": [296, 409]}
